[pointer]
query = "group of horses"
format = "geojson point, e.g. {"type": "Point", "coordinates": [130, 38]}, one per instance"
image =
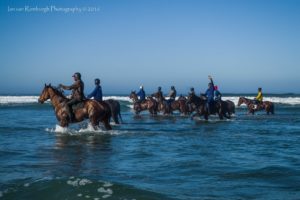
{"type": "Point", "coordinates": [103, 111]}
{"type": "Point", "coordinates": [195, 105]}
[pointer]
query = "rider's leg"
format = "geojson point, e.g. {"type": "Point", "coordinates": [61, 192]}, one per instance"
{"type": "Point", "coordinates": [70, 110]}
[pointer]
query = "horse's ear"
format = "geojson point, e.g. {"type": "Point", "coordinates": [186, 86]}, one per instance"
{"type": "Point", "coordinates": [45, 85]}
{"type": "Point", "coordinates": [49, 84]}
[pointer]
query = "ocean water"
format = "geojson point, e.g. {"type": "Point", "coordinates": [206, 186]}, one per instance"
{"type": "Point", "coordinates": [247, 157]}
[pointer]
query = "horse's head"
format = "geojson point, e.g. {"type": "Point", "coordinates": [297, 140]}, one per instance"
{"type": "Point", "coordinates": [45, 95]}
{"type": "Point", "coordinates": [133, 96]}
{"type": "Point", "coordinates": [241, 101]}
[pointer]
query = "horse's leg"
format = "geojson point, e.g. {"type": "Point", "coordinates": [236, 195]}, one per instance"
{"type": "Point", "coordinates": [193, 115]}
{"type": "Point", "coordinates": [106, 124]}
{"type": "Point", "coordinates": [206, 116]}
{"type": "Point", "coordinates": [94, 122]}
{"type": "Point", "coordinates": [115, 117]}
{"type": "Point", "coordinates": [64, 123]}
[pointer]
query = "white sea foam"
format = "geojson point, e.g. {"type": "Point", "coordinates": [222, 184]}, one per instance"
{"type": "Point", "coordinates": [83, 131]}
{"type": "Point", "coordinates": [107, 184]}
{"type": "Point", "coordinates": [119, 98]}
{"type": "Point", "coordinates": [79, 182]}
{"type": "Point", "coordinates": [6, 100]}
{"type": "Point", "coordinates": [26, 185]}
{"type": "Point", "coordinates": [18, 99]}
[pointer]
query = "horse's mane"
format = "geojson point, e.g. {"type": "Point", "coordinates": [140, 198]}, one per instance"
{"type": "Point", "coordinates": [58, 91]}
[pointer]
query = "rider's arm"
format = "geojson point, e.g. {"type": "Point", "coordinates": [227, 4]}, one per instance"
{"type": "Point", "coordinates": [71, 87]}
{"type": "Point", "coordinates": [211, 81]}
{"type": "Point", "coordinates": [92, 94]}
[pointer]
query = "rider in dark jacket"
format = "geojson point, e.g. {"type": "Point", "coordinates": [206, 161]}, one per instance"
{"type": "Point", "coordinates": [97, 92]}
{"type": "Point", "coordinates": [141, 94]}
{"type": "Point", "coordinates": [210, 95]}
{"type": "Point", "coordinates": [77, 93]}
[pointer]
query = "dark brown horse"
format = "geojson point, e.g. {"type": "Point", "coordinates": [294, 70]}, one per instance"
{"type": "Point", "coordinates": [230, 107]}
{"type": "Point", "coordinates": [139, 106]}
{"type": "Point", "coordinates": [199, 105]}
{"type": "Point", "coordinates": [179, 104]}
{"type": "Point", "coordinates": [220, 107]}
{"type": "Point", "coordinates": [268, 106]}
{"type": "Point", "coordinates": [90, 109]}
{"type": "Point", "coordinates": [115, 109]}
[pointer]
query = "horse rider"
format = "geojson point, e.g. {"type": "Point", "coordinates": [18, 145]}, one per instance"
{"type": "Point", "coordinates": [192, 91]}
{"type": "Point", "coordinates": [258, 100]}
{"type": "Point", "coordinates": [159, 92]}
{"type": "Point", "coordinates": [97, 92]}
{"type": "Point", "coordinates": [172, 95]}
{"type": "Point", "coordinates": [77, 95]}
{"type": "Point", "coordinates": [210, 95]}
{"type": "Point", "coordinates": [218, 95]}
{"type": "Point", "coordinates": [141, 94]}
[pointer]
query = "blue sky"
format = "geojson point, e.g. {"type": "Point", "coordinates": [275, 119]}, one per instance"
{"type": "Point", "coordinates": [242, 44]}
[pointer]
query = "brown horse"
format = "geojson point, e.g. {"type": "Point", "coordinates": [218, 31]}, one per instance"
{"type": "Point", "coordinates": [220, 107]}
{"type": "Point", "coordinates": [139, 106]}
{"type": "Point", "coordinates": [90, 109]}
{"type": "Point", "coordinates": [179, 104]}
{"type": "Point", "coordinates": [268, 106]}
{"type": "Point", "coordinates": [198, 104]}
{"type": "Point", "coordinates": [115, 109]}
{"type": "Point", "coordinates": [230, 107]}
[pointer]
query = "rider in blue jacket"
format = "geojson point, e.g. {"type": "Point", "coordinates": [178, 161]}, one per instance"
{"type": "Point", "coordinates": [141, 94]}
{"type": "Point", "coordinates": [97, 92]}
{"type": "Point", "coordinates": [210, 95]}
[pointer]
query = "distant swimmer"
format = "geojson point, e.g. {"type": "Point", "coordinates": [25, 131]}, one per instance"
{"type": "Point", "coordinates": [97, 92]}
{"type": "Point", "coordinates": [141, 94]}
{"type": "Point", "coordinates": [77, 93]}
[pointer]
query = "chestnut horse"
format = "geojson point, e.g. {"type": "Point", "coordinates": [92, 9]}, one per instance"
{"type": "Point", "coordinates": [268, 106]}
{"type": "Point", "coordinates": [148, 104]}
{"type": "Point", "coordinates": [90, 109]}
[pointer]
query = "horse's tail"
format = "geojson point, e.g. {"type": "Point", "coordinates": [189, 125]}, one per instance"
{"type": "Point", "coordinates": [272, 109]}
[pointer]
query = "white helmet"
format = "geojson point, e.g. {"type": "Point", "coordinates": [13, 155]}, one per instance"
{"type": "Point", "coordinates": [141, 87]}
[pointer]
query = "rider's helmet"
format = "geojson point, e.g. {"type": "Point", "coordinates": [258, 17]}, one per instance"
{"type": "Point", "coordinates": [192, 89]}
{"type": "Point", "coordinates": [172, 87]}
{"type": "Point", "coordinates": [259, 89]}
{"type": "Point", "coordinates": [141, 87]}
{"type": "Point", "coordinates": [159, 88]}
